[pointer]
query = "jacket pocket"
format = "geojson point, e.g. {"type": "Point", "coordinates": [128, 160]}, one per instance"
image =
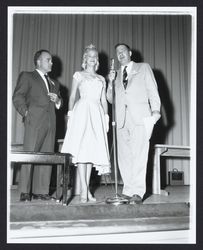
{"type": "Point", "coordinates": [149, 125]}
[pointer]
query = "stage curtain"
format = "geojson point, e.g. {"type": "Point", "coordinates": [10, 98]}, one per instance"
{"type": "Point", "coordinates": [162, 41]}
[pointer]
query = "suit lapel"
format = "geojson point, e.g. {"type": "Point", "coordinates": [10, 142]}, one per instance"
{"type": "Point", "coordinates": [40, 81]}
{"type": "Point", "coordinates": [119, 79]}
{"type": "Point", "coordinates": [52, 85]}
{"type": "Point", "coordinates": [134, 71]}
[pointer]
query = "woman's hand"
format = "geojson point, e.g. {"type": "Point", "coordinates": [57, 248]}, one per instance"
{"type": "Point", "coordinates": [69, 114]}
{"type": "Point", "coordinates": [156, 115]}
{"type": "Point", "coordinates": [111, 76]}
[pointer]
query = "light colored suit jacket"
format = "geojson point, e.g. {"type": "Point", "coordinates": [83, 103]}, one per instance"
{"type": "Point", "coordinates": [140, 97]}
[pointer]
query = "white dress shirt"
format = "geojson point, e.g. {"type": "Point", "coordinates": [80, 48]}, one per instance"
{"type": "Point", "coordinates": [51, 82]}
{"type": "Point", "coordinates": [128, 69]}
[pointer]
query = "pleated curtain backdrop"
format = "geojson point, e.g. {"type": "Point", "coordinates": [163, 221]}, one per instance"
{"type": "Point", "coordinates": [163, 41]}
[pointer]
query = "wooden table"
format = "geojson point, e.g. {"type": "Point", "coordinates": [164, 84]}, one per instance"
{"type": "Point", "coordinates": [163, 150]}
{"type": "Point", "coordinates": [75, 178]}
{"type": "Point", "coordinates": [58, 159]}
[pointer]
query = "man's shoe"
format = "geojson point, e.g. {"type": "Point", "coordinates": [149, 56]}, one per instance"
{"type": "Point", "coordinates": [25, 197]}
{"type": "Point", "coordinates": [36, 196]}
{"type": "Point", "coordinates": [44, 197]}
{"type": "Point", "coordinates": [135, 199]}
{"type": "Point", "coordinates": [126, 197]}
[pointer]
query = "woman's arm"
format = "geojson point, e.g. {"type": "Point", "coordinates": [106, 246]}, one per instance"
{"type": "Point", "coordinates": [103, 98]}
{"type": "Point", "coordinates": [73, 94]}
{"type": "Point", "coordinates": [105, 106]}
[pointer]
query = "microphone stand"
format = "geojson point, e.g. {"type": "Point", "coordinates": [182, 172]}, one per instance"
{"type": "Point", "coordinates": [117, 199]}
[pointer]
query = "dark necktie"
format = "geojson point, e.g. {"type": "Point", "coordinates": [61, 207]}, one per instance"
{"type": "Point", "coordinates": [48, 83]}
{"type": "Point", "coordinates": [125, 75]}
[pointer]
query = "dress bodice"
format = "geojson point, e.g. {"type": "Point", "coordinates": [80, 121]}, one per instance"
{"type": "Point", "coordinates": [90, 86]}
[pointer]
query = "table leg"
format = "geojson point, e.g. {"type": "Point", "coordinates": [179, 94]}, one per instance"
{"type": "Point", "coordinates": [65, 179]}
{"type": "Point", "coordinates": [58, 182]}
{"type": "Point", "coordinates": [156, 179]}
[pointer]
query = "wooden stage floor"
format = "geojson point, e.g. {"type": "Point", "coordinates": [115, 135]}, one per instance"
{"type": "Point", "coordinates": [42, 221]}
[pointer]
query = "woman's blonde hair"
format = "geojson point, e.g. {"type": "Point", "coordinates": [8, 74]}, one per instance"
{"type": "Point", "coordinates": [84, 59]}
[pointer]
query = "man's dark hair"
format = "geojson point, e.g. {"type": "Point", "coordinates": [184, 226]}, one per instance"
{"type": "Point", "coordinates": [38, 54]}
{"type": "Point", "coordinates": [124, 44]}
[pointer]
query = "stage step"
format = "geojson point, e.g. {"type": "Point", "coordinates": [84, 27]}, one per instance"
{"type": "Point", "coordinates": [44, 221]}
{"type": "Point", "coordinates": [54, 211]}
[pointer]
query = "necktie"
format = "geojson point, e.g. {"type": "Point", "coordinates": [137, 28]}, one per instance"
{"type": "Point", "coordinates": [48, 83]}
{"type": "Point", "coordinates": [125, 80]}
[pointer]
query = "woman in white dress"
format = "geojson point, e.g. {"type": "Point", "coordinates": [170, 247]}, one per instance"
{"type": "Point", "coordinates": [88, 123]}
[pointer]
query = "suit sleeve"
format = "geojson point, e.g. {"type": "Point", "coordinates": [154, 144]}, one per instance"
{"type": "Point", "coordinates": [20, 93]}
{"type": "Point", "coordinates": [152, 89]}
{"type": "Point", "coordinates": [59, 95]}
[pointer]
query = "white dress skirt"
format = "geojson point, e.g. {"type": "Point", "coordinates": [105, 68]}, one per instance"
{"type": "Point", "coordinates": [86, 135]}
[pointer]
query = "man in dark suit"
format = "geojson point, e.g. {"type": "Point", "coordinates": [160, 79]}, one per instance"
{"type": "Point", "coordinates": [35, 97]}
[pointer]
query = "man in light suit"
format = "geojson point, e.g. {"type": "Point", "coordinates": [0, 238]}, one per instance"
{"type": "Point", "coordinates": [35, 97]}
{"type": "Point", "coordinates": [137, 105]}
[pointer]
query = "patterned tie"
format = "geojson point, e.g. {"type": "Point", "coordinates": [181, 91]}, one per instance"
{"type": "Point", "coordinates": [125, 80]}
{"type": "Point", "coordinates": [48, 83]}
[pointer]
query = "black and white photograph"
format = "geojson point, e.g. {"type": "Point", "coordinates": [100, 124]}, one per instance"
{"type": "Point", "coordinates": [101, 124]}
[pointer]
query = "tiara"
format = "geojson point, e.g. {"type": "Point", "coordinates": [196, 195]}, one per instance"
{"type": "Point", "coordinates": [91, 46]}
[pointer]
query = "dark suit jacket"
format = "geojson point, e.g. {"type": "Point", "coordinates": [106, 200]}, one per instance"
{"type": "Point", "coordinates": [31, 95]}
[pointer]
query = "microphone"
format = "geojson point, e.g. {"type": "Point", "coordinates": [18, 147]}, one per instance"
{"type": "Point", "coordinates": [112, 64]}
{"type": "Point", "coordinates": [112, 67]}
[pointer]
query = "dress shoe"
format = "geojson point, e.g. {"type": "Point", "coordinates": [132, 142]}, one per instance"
{"type": "Point", "coordinates": [83, 196]}
{"type": "Point", "coordinates": [135, 199]}
{"type": "Point", "coordinates": [25, 197]}
{"type": "Point", "coordinates": [91, 198]}
{"type": "Point", "coordinates": [44, 197]}
{"type": "Point", "coordinates": [126, 197]}
{"type": "Point", "coordinates": [83, 199]}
